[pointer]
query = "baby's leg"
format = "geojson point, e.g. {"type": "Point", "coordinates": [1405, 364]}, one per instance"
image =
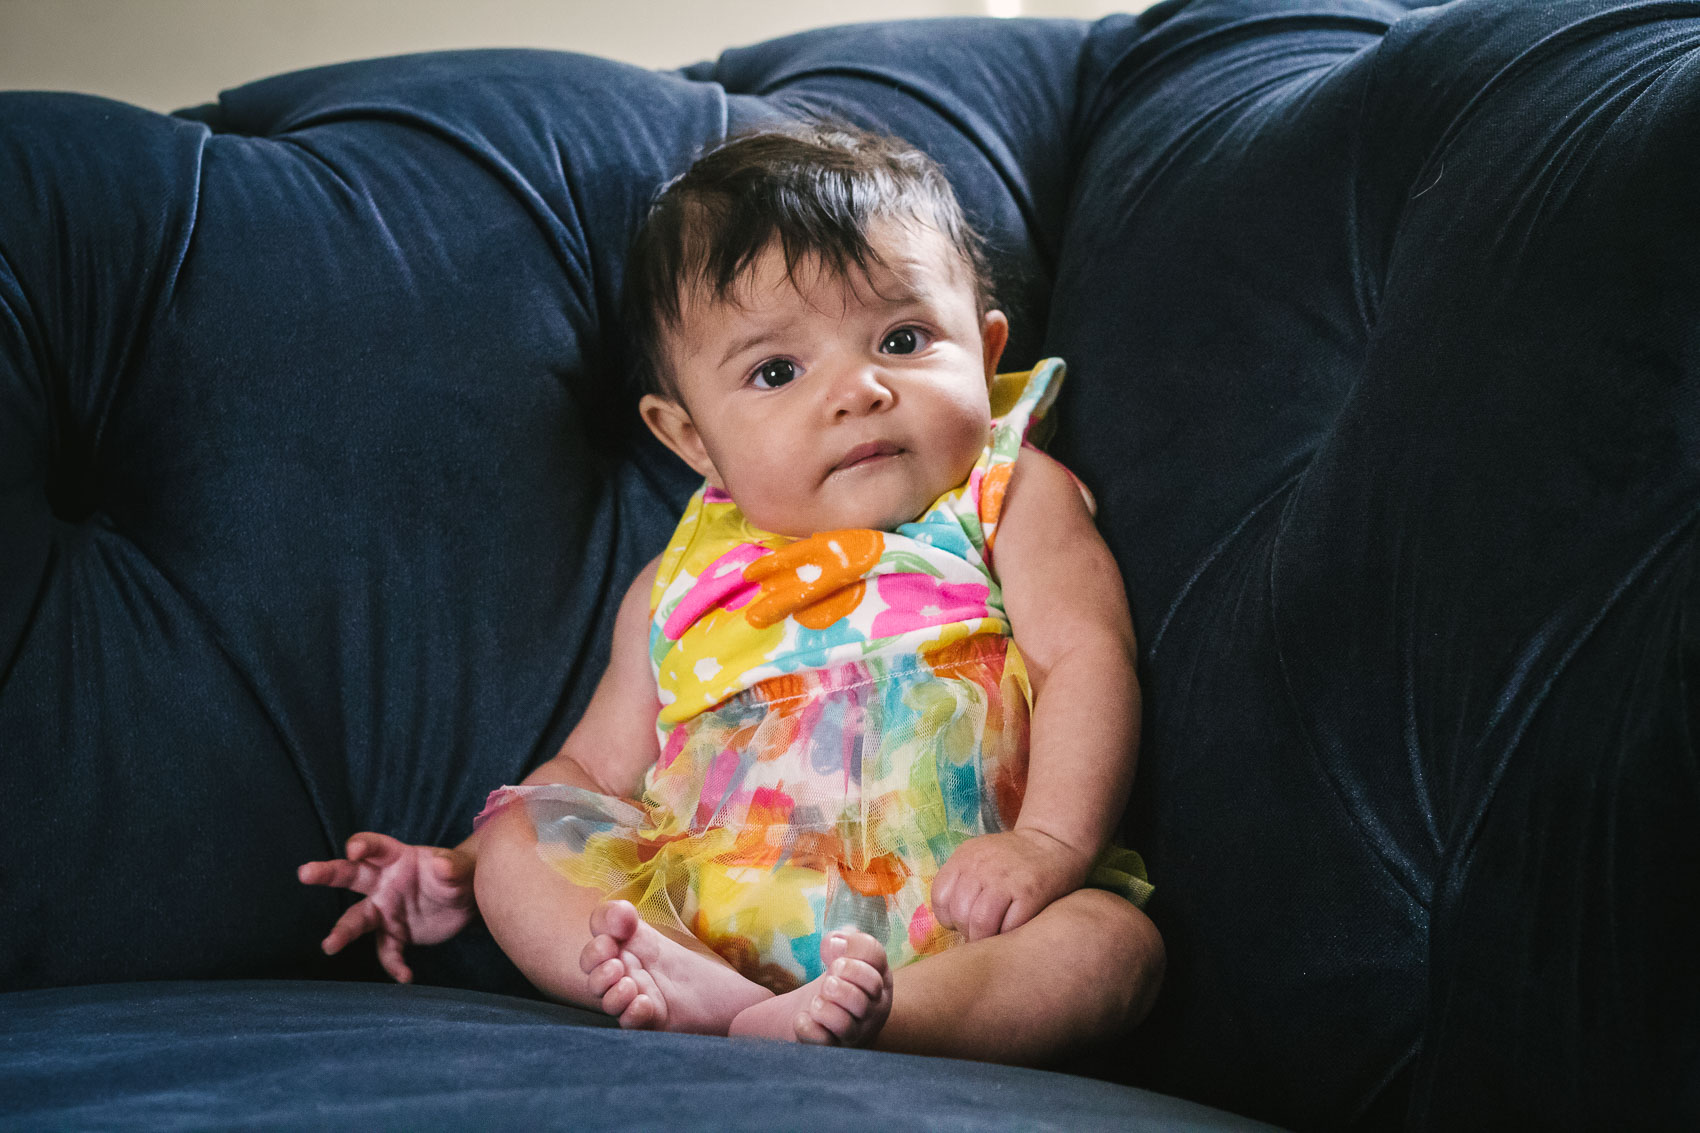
{"type": "Point", "coordinates": [577, 947]}
{"type": "Point", "coordinates": [1086, 968]}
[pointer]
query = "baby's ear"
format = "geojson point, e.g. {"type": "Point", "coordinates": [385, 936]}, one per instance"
{"type": "Point", "coordinates": [673, 427]}
{"type": "Point", "coordinates": [994, 336]}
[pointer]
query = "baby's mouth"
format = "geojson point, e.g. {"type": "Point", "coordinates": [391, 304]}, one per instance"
{"type": "Point", "coordinates": [866, 453]}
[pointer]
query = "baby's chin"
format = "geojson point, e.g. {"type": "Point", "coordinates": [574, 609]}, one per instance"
{"type": "Point", "coordinates": [881, 497]}
{"type": "Point", "coordinates": [876, 516]}
{"type": "Point", "coordinates": [837, 523]}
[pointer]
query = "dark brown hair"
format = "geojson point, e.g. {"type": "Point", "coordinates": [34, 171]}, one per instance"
{"type": "Point", "coordinates": [815, 189]}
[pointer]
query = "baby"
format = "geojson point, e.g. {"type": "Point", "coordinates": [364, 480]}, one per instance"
{"type": "Point", "coordinates": [819, 793]}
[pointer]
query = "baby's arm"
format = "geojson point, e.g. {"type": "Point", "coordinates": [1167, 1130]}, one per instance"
{"type": "Point", "coordinates": [424, 894]}
{"type": "Point", "coordinates": [1069, 615]}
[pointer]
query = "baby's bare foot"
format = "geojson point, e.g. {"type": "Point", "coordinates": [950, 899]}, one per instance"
{"type": "Point", "coordinates": [853, 999]}
{"type": "Point", "coordinates": [650, 981]}
{"type": "Point", "coordinates": [846, 1006]}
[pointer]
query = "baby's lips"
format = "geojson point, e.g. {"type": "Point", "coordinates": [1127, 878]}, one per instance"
{"type": "Point", "coordinates": [866, 450]}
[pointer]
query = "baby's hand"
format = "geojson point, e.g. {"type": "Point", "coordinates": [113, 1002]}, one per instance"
{"type": "Point", "coordinates": [414, 895]}
{"type": "Point", "coordinates": [997, 882]}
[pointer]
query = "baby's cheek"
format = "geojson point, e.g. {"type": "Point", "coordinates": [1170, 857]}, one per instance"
{"type": "Point", "coordinates": [972, 433]}
{"type": "Point", "coordinates": [766, 477]}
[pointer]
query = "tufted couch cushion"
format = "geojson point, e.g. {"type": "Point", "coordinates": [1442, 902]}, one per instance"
{"type": "Point", "coordinates": [317, 484]}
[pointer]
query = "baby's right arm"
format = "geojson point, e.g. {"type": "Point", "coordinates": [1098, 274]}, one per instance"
{"type": "Point", "coordinates": [423, 894]}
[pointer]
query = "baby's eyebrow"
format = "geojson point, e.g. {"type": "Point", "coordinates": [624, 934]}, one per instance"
{"type": "Point", "coordinates": [748, 342]}
{"type": "Point", "coordinates": [898, 297]}
{"type": "Point", "coordinates": [903, 295]}
{"type": "Point", "coordinates": [901, 285]}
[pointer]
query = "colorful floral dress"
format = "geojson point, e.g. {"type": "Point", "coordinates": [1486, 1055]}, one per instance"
{"type": "Point", "coordinates": [839, 714]}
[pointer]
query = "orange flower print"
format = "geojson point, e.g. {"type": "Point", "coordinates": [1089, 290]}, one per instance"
{"type": "Point", "coordinates": [829, 610]}
{"type": "Point", "coordinates": [992, 489]}
{"type": "Point", "coordinates": [817, 580]}
{"type": "Point", "coordinates": [882, 877]}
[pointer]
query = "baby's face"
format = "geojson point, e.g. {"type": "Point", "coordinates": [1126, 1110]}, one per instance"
{"type": "Point", "coordinates": [827, 403]}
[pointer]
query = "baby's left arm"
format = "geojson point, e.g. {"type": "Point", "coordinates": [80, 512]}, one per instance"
{"type": "Point", "coordinates": [1069, 615]}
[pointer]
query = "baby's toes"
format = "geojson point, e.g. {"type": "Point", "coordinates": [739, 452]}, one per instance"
{"type": "Point", "coordinates": [825, 1023]}
{"type": "Point", "coordinates": [647, 1010]}
{"type": "Point", "coordinates": [871, 981]}
{"type": "Point", "coordinates": [853, 999]}
{"type": "Point", "coordinates": [810, 1032]}
{"type": "Point", "coordinates": [861, 961]}
{"type": "Point", "coordinates": [859, 946]}
{"type": "Point", "coordinates": [600, 949]}
{"type": "Point", "coordinates": [617, 919]}
{"type": "Point", "coordinates": [842, 993]}
{"type": "Point", "coordinates": [602, 978]}
{"type": "Point", "coordinates": [620, 995]}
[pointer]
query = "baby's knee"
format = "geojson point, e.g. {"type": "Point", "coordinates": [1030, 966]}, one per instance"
{"type": "Point", "coordinates": [1123, 945]}
{"type": "Point", "coordinates": [506, 843]}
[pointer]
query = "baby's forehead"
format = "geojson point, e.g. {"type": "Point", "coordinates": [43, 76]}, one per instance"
{"type": "Point", "coordinates": [906, 263]}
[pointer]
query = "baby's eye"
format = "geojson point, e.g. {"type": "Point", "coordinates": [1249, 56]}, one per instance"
{"type": "Point", "coordinates": [904, 340]}
{"type": "Point", "coordinates": [773, 373]}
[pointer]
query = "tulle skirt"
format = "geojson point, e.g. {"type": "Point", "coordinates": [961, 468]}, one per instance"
{"type": "Point", "coordinates": [815, 801]}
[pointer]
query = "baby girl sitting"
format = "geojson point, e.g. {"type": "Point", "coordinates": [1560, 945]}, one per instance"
{"type": "Point", "coordinates": [819, 793]}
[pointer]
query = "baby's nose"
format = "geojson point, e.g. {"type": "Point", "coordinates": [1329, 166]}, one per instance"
{"type": "Point", "coordinates": [861, 389]}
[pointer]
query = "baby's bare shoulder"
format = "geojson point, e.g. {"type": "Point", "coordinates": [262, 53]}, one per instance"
{"type": "Point", "coordinates": [631, 626]}
{"type": "Point", "coordinates": [1043, 501]}
{"type": "Point", "coordinates": [1058, 576]}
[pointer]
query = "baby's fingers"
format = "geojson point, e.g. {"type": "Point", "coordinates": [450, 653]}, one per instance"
{"type": "Point", "coordinates": [368, 855]}
{"type": "Point", "coordinates": [389, 955]}
{"type": "Point", "coordinates": [375, 849]}
{"type": "Point", "coordinates": [987, 916]}
{"type": "Point", "coordinates": [954, 895]}
{"type": "Point", "coordinates": [452, 868]}
{"type": "Point", "coordinates": [1020, 911]}
{"type": "Point", "coordinates": [357, 921]}
{"type": "Point", "coordinates": [338, 873]}
{"type": "Point", "coordinates": [942, 886]}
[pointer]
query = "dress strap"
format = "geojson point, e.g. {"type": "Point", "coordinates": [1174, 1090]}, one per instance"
{"type": "Point", "coordinates": [1034, 394]}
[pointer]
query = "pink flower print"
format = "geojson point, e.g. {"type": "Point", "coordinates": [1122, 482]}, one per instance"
{"type": "Point", "coordinates": [720, 585]}
{"type": "Point", "coordinates": [920, 601]}
{"type": "Point", "coordinates": [926, 935]}
{"type": "Point", "coordinates": [716, 783]}
{"type": "Point", "coordinates": [921, 926]}
{"type": "Point", "coordinates": [770, 806]}
{"type": "Point", "coordinates": [675, 744]}
{"type": "Point", "coordinates": [713, 495]}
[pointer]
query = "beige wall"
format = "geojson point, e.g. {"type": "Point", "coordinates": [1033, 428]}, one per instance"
{"type": "Point", "coordinates": [169, 53]}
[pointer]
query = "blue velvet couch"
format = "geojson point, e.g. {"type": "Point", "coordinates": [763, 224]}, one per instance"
{"type": "Point", "coordinates": [318, 483]}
